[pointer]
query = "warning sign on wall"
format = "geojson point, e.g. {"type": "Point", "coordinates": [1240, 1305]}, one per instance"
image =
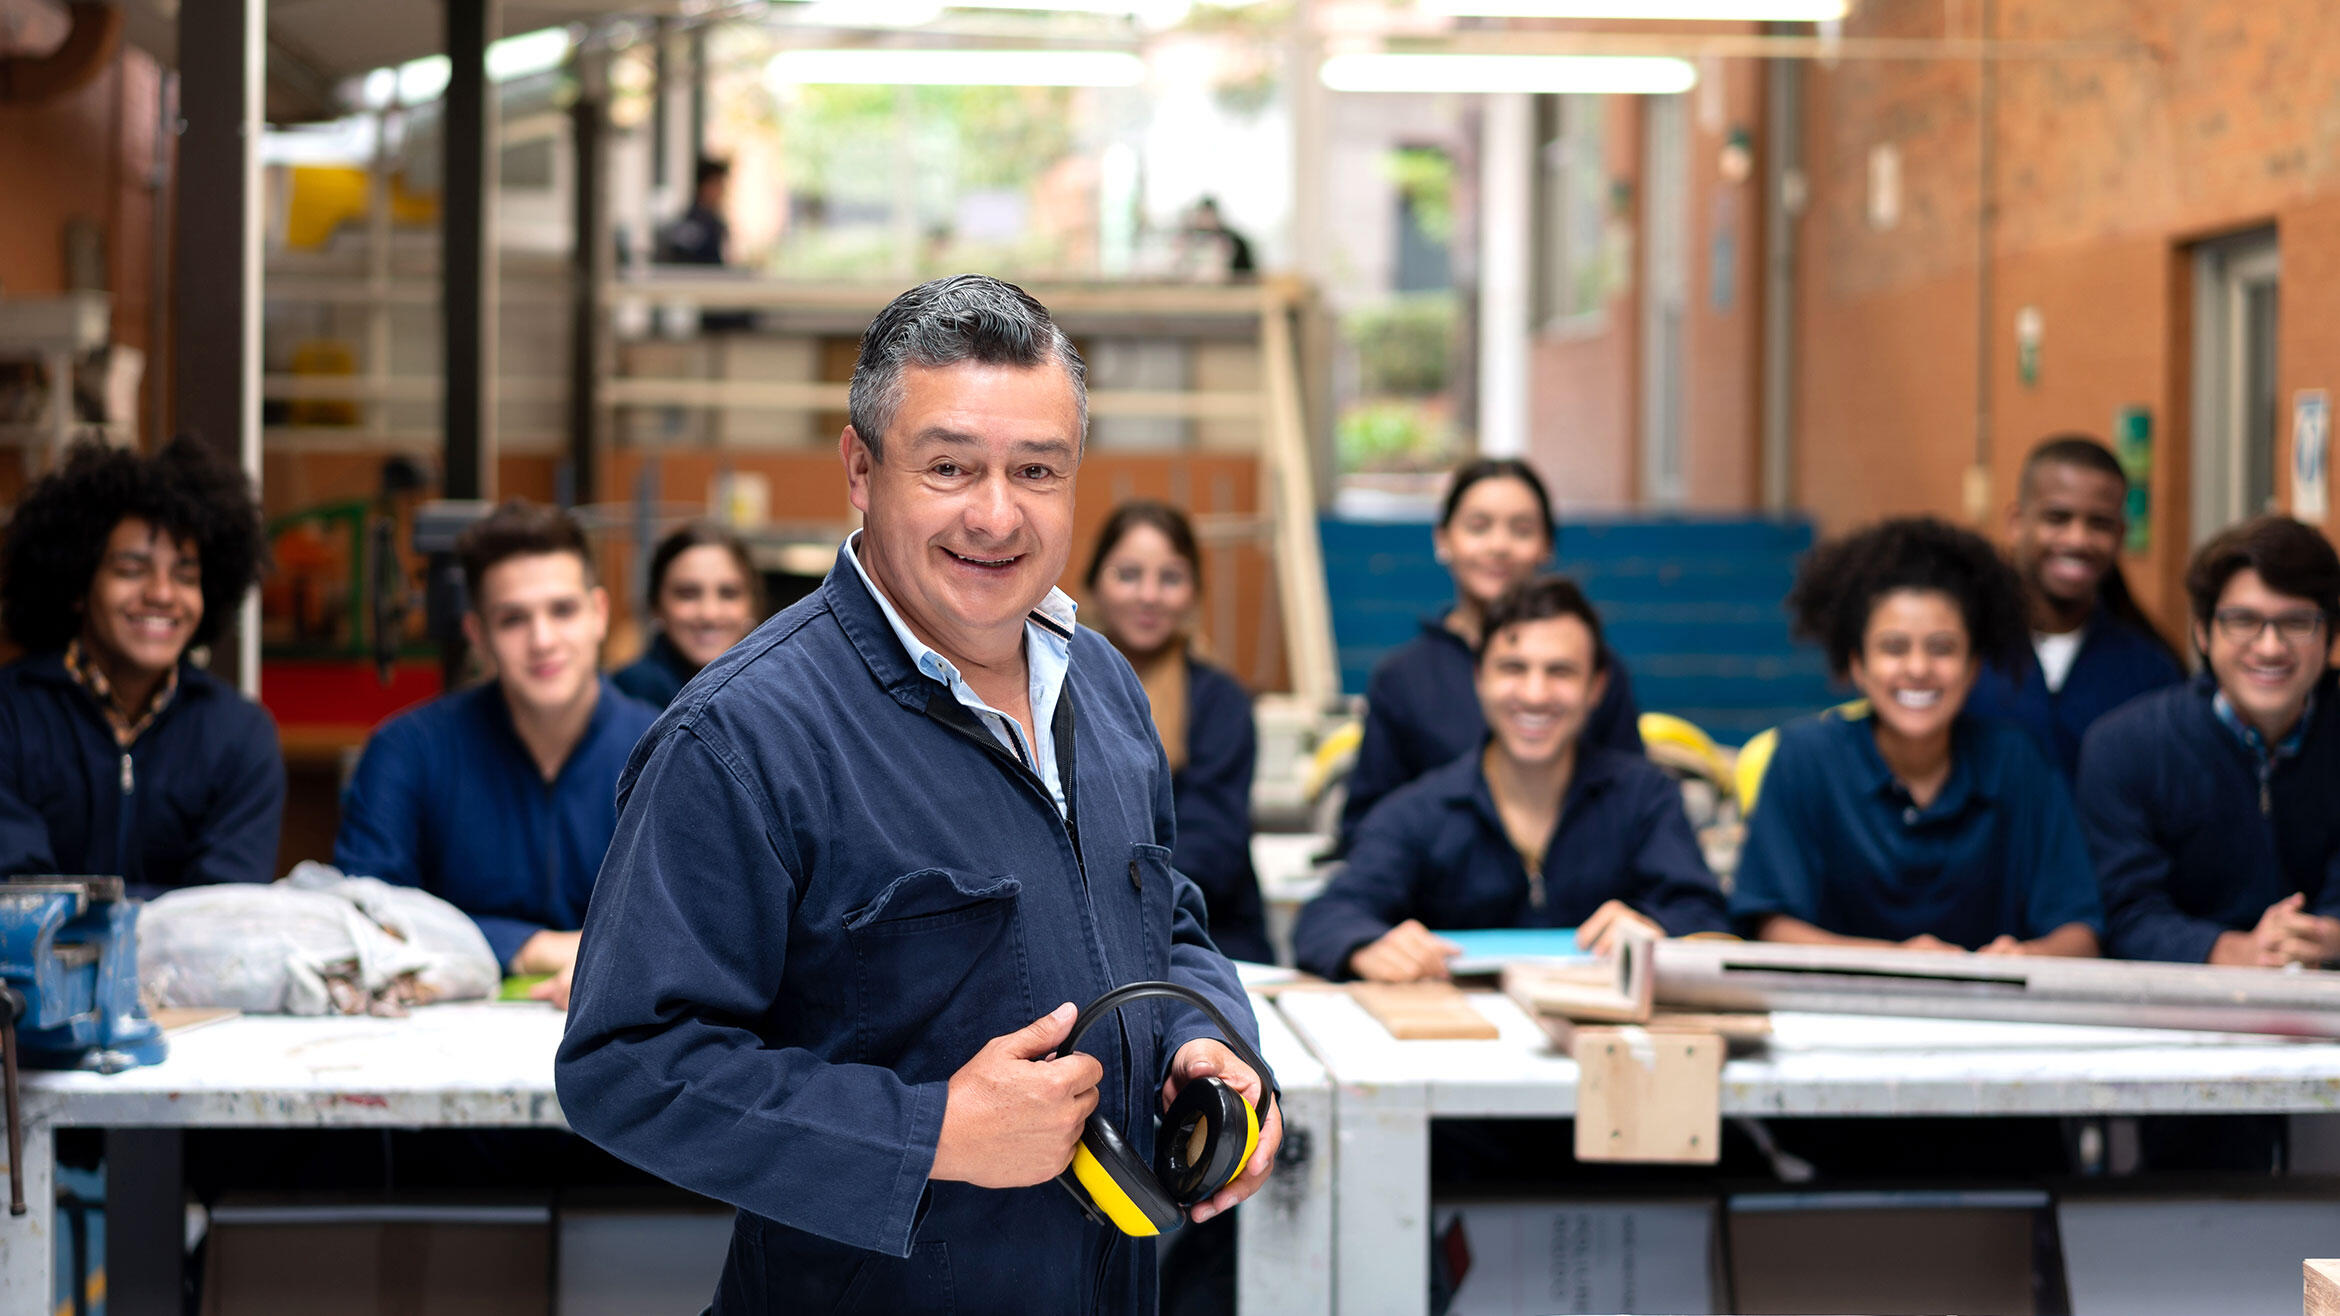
{"type": "Point", "coordinates": [2311, 454]}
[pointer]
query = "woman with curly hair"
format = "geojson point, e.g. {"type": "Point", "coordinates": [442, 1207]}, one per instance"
{"type": "Point", "coordinates": [1899, 820]}
{"type": "Point", "coordinates": [118, 754]}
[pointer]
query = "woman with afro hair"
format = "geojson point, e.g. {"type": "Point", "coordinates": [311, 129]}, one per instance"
{"type": "Point", "coordinates": [1898, 820]}
{"type": "Point", "coordinates": [118, 754]}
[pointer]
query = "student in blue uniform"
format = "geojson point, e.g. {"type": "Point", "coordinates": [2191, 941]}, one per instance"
{"type": "Point", "coordinates": [1494, 530]}
{"type": "Point", "coordinates": [705, 597]}
{"type": "Point", "coordinates": [2092, 648]}
{"type": "Point", "coordinates": [499, 799]}
{"type": "Point", "coordinates": [870, 863]}
{"type": "Point", "coordinates": [119, 754]}
{"type": "Point", "coordinates": [1908, 823]}
{"type": "Point", "coordinates": [1539, 827]}
{"type": "Point", "coordinates": [2213, 808]}
{"type": "Point", "coordinates": [1144, 581]}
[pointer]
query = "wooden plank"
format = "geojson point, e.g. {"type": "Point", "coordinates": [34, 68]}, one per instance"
{"type": "Point", "coordinates": [1742, 1034]}
{"type": "Point", "coordinates": [2323, 1288]}
{"type": "Point", "coordinates": [176, 1019]}
{"type": "Point", "coordinates": [1723, 975]}
{"type": "Point", "coordinates": [1646, 1096]}
{"type": "Point", "coordinates": [1414, 1011]}
{"type": "Point", "coordinates": [1620, 990]}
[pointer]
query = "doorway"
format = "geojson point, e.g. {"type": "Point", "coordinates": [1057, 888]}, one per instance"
{"type": "Point", "coordinates": [2237, 303]}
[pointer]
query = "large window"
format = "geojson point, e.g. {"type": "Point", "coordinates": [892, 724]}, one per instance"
{"type": "Point", "coordinates": [1575, 265]}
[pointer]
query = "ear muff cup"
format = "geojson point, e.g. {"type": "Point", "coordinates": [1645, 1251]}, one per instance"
{"type": "Point", "coordinates": [1121, 1185]}
{"type": "Point", "coordinates": [1204, 1139]}
{"type": "Point", "coordinates": [1215, 1132]}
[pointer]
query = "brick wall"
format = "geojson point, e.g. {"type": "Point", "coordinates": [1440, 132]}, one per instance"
{"type": "Point", "coordinates": [2107, 170]}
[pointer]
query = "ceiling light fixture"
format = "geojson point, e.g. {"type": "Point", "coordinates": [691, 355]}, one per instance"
{"type": "Point", "coordinates": [1595, 75]}
{"type": "Point", "coordinates": [956, 68]}
{"type": "Point", "coordinates": [1681, 11]}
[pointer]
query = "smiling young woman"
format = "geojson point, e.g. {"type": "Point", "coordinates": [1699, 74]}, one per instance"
{"type": "Point", "coordinates": [1903, 821]}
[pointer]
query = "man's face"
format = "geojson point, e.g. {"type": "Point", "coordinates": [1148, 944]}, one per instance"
{"type": "Point", "coordinates": [542, 622]}
{"type": "Point", "coordinates": [2066, 532]}
{"type": "Point", "coordinates": [968, 520]}
{"type": "Point", "coordinates": [2266, 649]}
{"type": "Point", "coordinates": [144, 602]}
{"type": "Point", "coordinates": [1538, 682]}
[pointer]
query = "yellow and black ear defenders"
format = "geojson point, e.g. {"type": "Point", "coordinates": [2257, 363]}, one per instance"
{"type": "Point", "coordinates": [1200, 1144]}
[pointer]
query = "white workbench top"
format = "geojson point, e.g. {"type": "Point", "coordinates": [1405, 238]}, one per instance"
{"type": "Point", "coordinates": [469, 1063]}
{"type": "Point", "coordinates": [1851, 1065]}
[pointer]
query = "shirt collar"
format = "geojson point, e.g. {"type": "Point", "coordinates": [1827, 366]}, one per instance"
{"type": "Point", "coordinates": [1051, 624]}
{"type": "Point", "coordinates": [1965, 784]}
{"type": "Point", "coordinates": [2249, 735]}
{"type": "Point", "coordinates": [127, 728]}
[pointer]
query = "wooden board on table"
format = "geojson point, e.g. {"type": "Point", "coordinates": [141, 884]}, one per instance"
{"type": "Point", "coordinates": [178, 1019]}
{"type": "Point", "coordinates": [1413, 1011]}
{"type": "Point", "coordinates": [1645, 1096]}
{"type": "Point", "coordinates": [2323, 1287]}
{"type": "Point", "coordinates": [1617, 990]}
{"type": "Point", "coordinates": [1741, 1034]}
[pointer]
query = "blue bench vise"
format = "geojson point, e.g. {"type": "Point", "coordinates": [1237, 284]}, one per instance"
{"type": "Point", "coordinates": [68, 988]}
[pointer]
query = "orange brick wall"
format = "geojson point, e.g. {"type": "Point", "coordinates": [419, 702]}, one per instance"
{"type": "Point", "coordinates": [2107, 170]}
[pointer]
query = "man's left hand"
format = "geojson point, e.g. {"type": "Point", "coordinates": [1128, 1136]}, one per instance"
{"type": "Point", "coordinates": [1205, 1058]}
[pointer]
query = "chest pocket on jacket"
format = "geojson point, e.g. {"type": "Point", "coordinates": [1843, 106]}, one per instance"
{"type": "Point", "coordinates": [1150, 872]}
{"type": "Point", "coordinates": [939, 969]}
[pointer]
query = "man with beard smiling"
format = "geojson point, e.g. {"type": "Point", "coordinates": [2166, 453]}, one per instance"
{"type": "Point", "coordinates": [500, 799]}
{"type": "Point", "coordinates": [2092, 648]}
{"type": "Point", "coordinates": [869, 864]}
{"type": "Point", "coordinates": [118, 754]}
{"type": "Point", "coordinates": [2209, 807]}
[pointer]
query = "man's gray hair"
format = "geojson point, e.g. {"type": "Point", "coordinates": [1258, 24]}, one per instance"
{"type": "Point", "coordinates": [966, 317]}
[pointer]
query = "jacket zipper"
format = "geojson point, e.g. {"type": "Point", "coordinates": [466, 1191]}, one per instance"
{"type": "Point", "coordinates": [122, 817]}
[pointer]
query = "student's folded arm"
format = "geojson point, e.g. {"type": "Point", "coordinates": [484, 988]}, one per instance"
{"type": "Point", "coordinates": [2064, 910]}
{"type": "Point", "coordinates": [1778, 874]}
{"type": "Point", "coordinates": [1372, 892]}
{"type": "Point", "coordinates": [1670, 880]}
{"type": "Point", "coordinates": [506, 936]}
{"type": "Point", "coordinates": [1214, 839]}
{"type": "Point", "coordinates": [661, 1064]}
{"type": "Point", "coordinates": [2142, 920]}
{"type": "Point", "coordinates": [382, 810]}
{"type": "Point", "coordinates": [24, 835]}
{"type": "Point", "coordinates": [1381, 764]}
{"type": "Point", "coordinates": [238, 836]}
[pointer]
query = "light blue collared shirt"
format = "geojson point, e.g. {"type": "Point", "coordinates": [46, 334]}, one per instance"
{"type": "Point", "coordinates": [1048, 632]}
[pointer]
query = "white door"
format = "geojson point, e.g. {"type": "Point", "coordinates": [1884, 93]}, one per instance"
{"type": "Point", "coordinates": [2236, 409]}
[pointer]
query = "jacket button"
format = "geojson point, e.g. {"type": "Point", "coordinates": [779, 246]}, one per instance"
{"type": "Point", "coordinates": [1136, 883]}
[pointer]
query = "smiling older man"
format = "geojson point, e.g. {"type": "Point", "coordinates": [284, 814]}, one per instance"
{"type": "Point", "coordinates": [870, 862]}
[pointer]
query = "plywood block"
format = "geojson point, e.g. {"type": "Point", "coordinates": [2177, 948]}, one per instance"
{"type": "Point", "coordinates": [1742, 1034]}
{"type": "Point", "coordinates": [1423, 1010]}
{"type": "Point", "coordinates": [2323, 1287]}
{"type": "Point", "coordinates": [1620, 990]}
{"type": "Point", "coordinates": [1648, 1097]}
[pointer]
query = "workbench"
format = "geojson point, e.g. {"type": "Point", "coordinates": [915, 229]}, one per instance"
{"type": "Point", "coordinates": [1386, 1093]}
{"type": "Point", "coordinates": [483, 1065]}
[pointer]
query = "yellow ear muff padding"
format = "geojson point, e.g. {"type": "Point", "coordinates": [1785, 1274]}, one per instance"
{"type": "Point", "coordinates": [1107, 1178]}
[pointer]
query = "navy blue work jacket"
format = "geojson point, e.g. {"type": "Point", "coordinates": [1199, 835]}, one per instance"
{"type": "Point", "coordinates": [1422, 711]}
{"type": "Point", "coordinates": [1435, 850]}
{"type": "Point", "coordinates": [2186, 846]}
{"type": "Point", "coordinates": [1212, 794]}
{"type": "Point", "coordinates": [197, 798]}
{"type": "Point", "coordinates": [447, 798]}
{"type": "Point", "coordinates": [2116, 663]}
{"type": "Point", "coordinates": [1837, 841]}
{"type": "Point", "coordinates": [657, 676]}
{"type": "Point", "coordinates": [830, 887]}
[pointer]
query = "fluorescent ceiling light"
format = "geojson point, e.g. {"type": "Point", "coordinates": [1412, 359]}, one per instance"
{"type": "Point", "coordinates": [1595, 75]}
{"type": "Point", "coordinates": [956, 68]}
{"type": "Point", "coordinates": [1710, 11]}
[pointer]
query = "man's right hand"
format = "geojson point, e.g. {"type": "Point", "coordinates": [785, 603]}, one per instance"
{"type": "Point", "coordinates": [1015, 1113]}
{"type": "Point", "coordinates": [2286, 934]}
{"type": "Point", "coordinates": [1408, 952]}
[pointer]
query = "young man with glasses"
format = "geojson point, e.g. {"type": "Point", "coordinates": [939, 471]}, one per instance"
{"type": "Point", "coordinates": [2209, 806]}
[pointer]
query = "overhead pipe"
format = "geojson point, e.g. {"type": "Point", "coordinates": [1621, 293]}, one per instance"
{"type": "Point", "coordinates": [89, 45]}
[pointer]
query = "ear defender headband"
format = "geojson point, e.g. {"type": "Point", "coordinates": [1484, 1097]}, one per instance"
{"type": "Point", "coordinates": [1200, 1144]}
